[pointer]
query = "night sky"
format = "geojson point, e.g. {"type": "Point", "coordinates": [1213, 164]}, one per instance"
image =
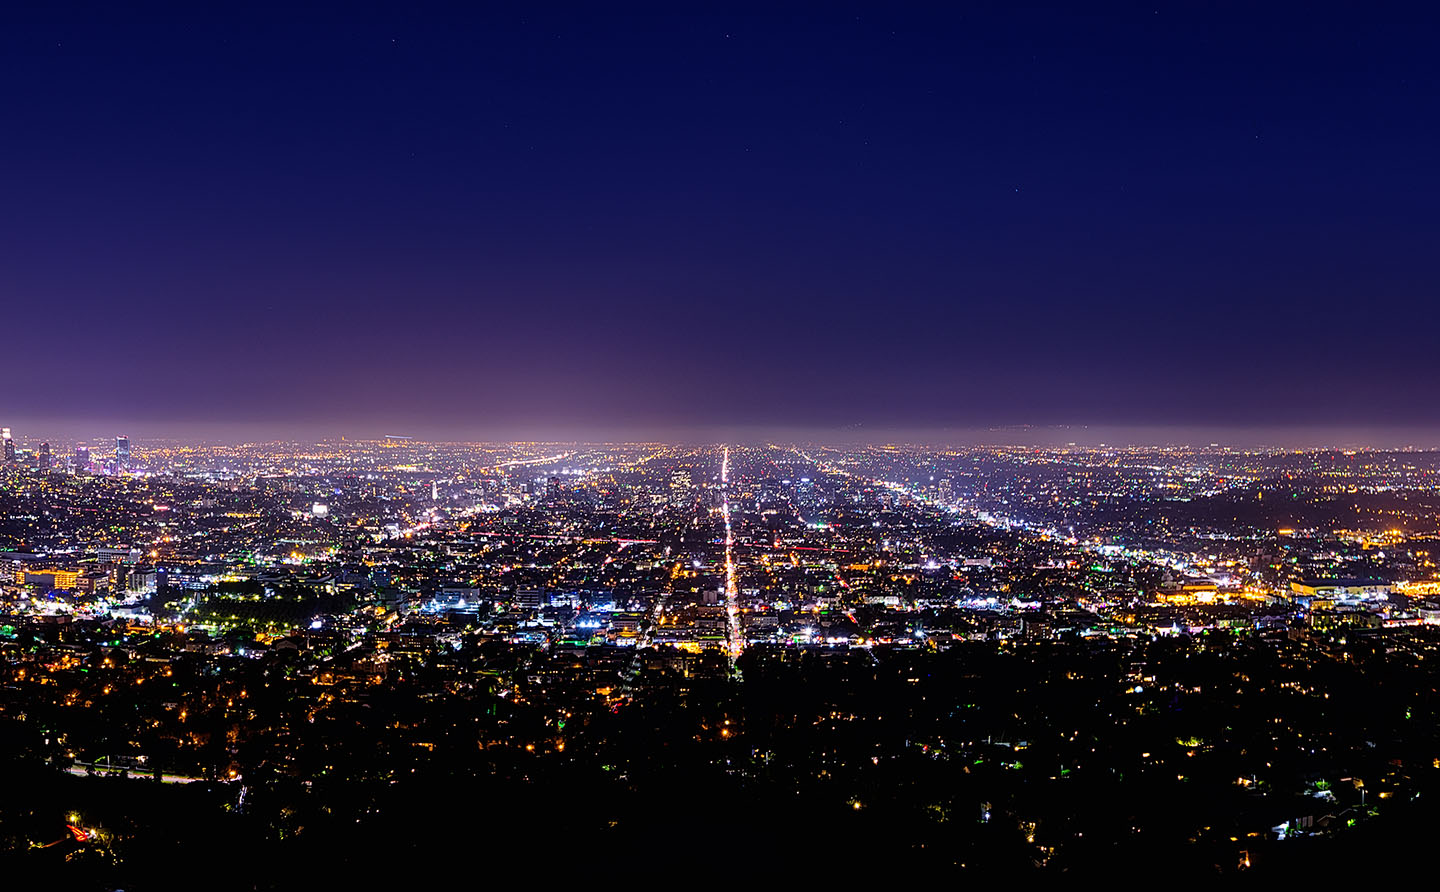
{"type": "Point", "coordinates": [830, 219]}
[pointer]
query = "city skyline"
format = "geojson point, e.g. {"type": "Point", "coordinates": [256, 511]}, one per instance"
{"type": "Point", "coordinates": [868, 440]}
{"type": "Point", "coordinates": [1301, 438]}
{"type": "Point", "coordinates": [990, 660]}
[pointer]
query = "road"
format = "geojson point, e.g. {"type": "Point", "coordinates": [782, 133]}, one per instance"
{"type": "Point", "coordinates": [735, 641]}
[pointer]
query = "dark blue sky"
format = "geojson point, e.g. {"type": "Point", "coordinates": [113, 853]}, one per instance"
{"type": "Point", "coordinates": [641, 220]}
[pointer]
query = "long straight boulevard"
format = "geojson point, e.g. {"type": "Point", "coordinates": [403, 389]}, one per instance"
{"type": "Point", "coordinates": [735, 641]}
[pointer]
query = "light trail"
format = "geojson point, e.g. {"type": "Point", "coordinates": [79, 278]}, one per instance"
{"type": "Point", "coordinates": [559, 456]}
{"type": "Point", "coordinates": [563, 537]}
{"type": "Point", "coordinates": [1006, 524]}
{"type": "Point", "coordinates": [733, 640]}
{"type": "Point", "coordinates": [732, 590]}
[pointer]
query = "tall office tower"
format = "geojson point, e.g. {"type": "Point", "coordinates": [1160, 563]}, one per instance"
{"type": "Point", "coordinates": [552, 487]}
{"type": "Point", "coordinates": [9, 444]}
{"type": "Point", "coordinates": [44, 457]}
{"type": "Point", "coordinates": [122, 451]}
{"type": "Point", "coordinates": [434, 490]}
{"type": "Point", "coordinates": [82, 458]}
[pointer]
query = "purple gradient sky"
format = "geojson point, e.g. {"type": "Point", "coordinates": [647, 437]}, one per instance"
{"type": "Point", "coordinates": [739, 223]}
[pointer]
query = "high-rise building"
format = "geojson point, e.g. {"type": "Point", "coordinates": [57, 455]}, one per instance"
{"type": "Point", "coordinates": [552, 487]}
{"type": "Point", "coordinates": [9, 444]}
{"type": "Point", "coordinates": [82, 458]}
{"type": "Point", "coordinates": [44, 457]}
{"type": "Point", "coordinates": [122, 451]}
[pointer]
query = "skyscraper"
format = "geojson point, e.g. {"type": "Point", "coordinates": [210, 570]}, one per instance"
{"type": "Point", "coordinates": [82, 458]}
{"type": "Point", "coordinates": [9, 444]}
{"type": "Point", "coordinates": [44, 457]}
{"type": "Point", "coordinates": [122, 452]}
